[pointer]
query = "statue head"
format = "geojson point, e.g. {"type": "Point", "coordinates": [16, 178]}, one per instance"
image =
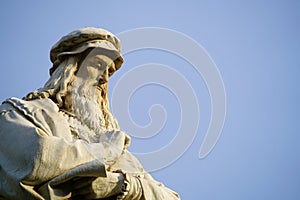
{"type": "Point", "coordinates": [83, 60]}
{"type": "Point", "coordinates": [80, 41]}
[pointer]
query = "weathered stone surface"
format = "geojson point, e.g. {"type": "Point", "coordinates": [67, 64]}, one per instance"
{"type": "Point", "coordinates": [62, 142]}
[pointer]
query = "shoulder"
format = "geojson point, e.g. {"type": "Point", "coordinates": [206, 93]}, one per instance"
{"type": "Point", "coordinates": [29, 106]}
{"type": "Point", "coordinates": [39, 113]}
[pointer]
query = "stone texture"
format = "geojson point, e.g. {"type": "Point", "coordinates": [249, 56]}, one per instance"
{"type": "Point", "coordinates": [62, 142]}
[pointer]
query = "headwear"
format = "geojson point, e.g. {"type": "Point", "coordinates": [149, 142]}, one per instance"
{"type": "Point", "coordinates": [82, 39]}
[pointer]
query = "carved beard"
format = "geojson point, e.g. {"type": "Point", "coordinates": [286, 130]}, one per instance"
{"type": "Point", "coordinates": [83, 104]}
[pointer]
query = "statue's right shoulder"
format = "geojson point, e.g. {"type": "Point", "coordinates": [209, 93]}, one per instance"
{"type": "Point", "coordinates": [41, 113]}
{"type": "Point", "coordinates": [5, 107]}
{"type": "Point", "coordinates": [28, 107]}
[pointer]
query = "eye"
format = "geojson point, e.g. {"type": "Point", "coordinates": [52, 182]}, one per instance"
{"type": "Point", "coordinates": [100, 63]}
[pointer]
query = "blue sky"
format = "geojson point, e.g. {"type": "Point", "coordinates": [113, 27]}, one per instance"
{"type": "Point", "coordinates": [254, 44]}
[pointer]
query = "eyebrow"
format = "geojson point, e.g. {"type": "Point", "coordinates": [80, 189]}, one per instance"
{"type": "Point", "coordinates": [106, 60]}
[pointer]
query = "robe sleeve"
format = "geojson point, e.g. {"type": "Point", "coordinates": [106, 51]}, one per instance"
{"type": "Point", "coordinates": [30, 157]}
{"type": "Point", "coordinates": [146, 188]}
{"type": "Point", "coordinates": [140, 184]}
{"type": "Point", "coordinates": [153, 189]}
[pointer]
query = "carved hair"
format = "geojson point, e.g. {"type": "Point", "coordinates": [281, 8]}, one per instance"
{"type": "Point", "coordinates": [56, 87]}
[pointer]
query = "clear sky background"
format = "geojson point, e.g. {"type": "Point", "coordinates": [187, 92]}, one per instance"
{"type": "Point", "coordinates": [256, 46]}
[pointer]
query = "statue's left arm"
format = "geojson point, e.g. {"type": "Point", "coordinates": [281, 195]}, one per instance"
{"type": "Point", "coordinates": [122, 185]}
{"type": "Point", "coordinates": [126, 180]}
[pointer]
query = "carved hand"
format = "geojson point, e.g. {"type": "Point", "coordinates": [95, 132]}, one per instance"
{"type": "Point", "coordinates": [101, 187]}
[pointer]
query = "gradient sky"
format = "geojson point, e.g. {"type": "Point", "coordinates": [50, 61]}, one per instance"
{"type": "Point", "coordinates": [256, 47]}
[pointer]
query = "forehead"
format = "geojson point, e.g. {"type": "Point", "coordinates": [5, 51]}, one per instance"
{"type": "Point", "coordinates": [98, 58]}
{"type": "Point", "coordinates": [98, 54]}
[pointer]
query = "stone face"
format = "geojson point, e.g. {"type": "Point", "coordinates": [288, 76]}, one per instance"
{"type": "Point", "coordinates": [62, 141]}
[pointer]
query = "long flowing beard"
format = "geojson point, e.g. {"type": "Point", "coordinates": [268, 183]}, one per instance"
{"type": "Point", "coordinates": [94, 122]}
{"type": "Point", "coordinates": [84, 105]}
{"type": "Point", "coordinates": [90, 108]}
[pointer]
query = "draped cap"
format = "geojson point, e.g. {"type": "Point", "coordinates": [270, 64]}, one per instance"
{"type": "Point", "coordinates": [82, 39]}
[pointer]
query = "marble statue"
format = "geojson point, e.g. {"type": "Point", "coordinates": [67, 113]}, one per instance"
{"type": "Point", "coordinates": [62, 142]}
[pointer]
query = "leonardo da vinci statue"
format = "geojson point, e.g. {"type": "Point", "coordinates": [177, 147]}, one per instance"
{"type": "Point", "coordinates": [62, 142]}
